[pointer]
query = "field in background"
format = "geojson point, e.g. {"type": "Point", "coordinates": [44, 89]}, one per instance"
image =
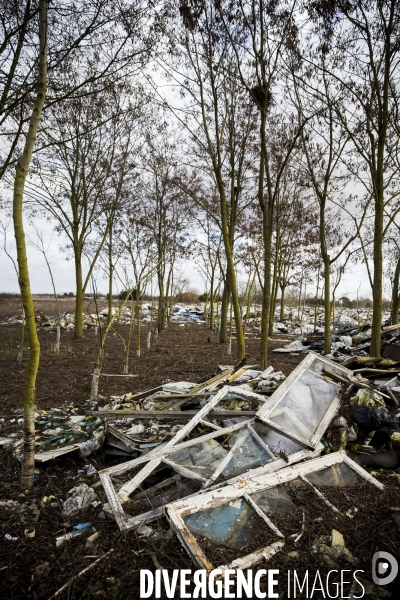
{"type": "Point", "coordinates": [10, 305]}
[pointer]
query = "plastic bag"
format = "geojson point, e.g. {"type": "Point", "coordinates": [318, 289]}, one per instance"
{"type": "Point", "coordinates": [369, 418]}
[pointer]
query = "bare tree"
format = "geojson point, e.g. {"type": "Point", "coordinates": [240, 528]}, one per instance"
{"type": "Point", "coordinates": [360, 42]}
{"type": "Point", "coordinates": [84, 178]}
{"type": "Point", "coordinates": [28, 459]}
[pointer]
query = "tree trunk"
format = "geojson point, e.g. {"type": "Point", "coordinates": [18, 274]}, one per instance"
{"type": "Point", "coordinates": [327, 290]}
{"type": "Point", "coordinates": [161, 305]}
{"type": "Point", "coordinates": [211, 322]}
{"type": "Point", "coordinates": [267, 212]}
{"type": "Point", "coordinates": [110, 281]}
{"type": "Point", "coordinates": [138, 310]}
{"type": "Point", "coordinates": [223, 337]}
{"type": "Point", "coordinates": [28, 460]}
{"type": "Point", "coordinates": [376, 328]}
{"type": "Point", "coordinates": [282, 313]}
{"type": "Point", "coordinates": [266, 306]}
{"type": "Point", "coordinates": [394, 317]}
{"type": "Point", "coordinates": [79, 297]}
{"type": "Point", "coordinates": [274, 291]}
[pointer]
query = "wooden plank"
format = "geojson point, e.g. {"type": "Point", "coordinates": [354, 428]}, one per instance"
{"type": "Point", "coordinates": [167, 396]}
{"type": "Point", "coordinates": [211, 425]}
{"type": "Point", "coordinates": [246, 562]}
{"type": "Point", "coordinates": [171, 415]}
{"type": "Point", "coordinates": [391, 327]}
{"type": "Point", "coordinates": [134, 483]}
{"type": "Point", "coordinates": [190, 542]}
{"type": "Point", "coordinates": [113, 500]}
{"type": "Point", "coordinates": [158, 486]}
{"type": "Point", "coordinates": [144, 518]}
{"type": "Point", "coordinates": [111, 375]}
{"type": "Point", "coordinates": [51, 454]}
{"type": "Point", "coordinates": [324, 423]}
{"type": "Point", "coordinates": [265, 480]}
{"type": "Point", "coordinates": [319, 494]}
{"type": "Point", "coordinates": [207, 385]}
{"type": "Point", "coordinates": [223, 463]}
{"type": "Point", "coordinates": [123, 437]}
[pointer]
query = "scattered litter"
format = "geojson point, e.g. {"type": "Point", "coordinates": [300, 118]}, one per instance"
{"type": "Point", "coordinates": [76, 531]}
{"type": "Point", "coordinates": [80, 497]}
{"type": "Point", "coordinates": [30, 533]}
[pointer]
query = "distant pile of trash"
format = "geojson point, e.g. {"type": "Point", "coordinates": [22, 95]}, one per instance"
{"type": "Point", "coordinates": [353, 346]}
{"type": "Point", "coordinates": [148, 314]}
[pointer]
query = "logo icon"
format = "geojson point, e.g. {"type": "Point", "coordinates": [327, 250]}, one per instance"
{"type": "Point", "coordinates": [384, 568]}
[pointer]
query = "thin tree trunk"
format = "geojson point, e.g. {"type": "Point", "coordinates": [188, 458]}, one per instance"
{"type": "Point", "coordinates": [160, 314]}
{"type": "Point", "coordinates": [327, 291]}
{"type": "Point", "coordinates": [394, 317]}
{"type": "Point", "coordinates": [110, 281]}
{"type": "Point", "coordinates": [274, 291]}
{"type": "Point", "coordinates": [282, 313]}
{"type": "Point", "coordinates": [79, 297]}
{"type": "Point", "coordinates": [138, 310]}
{"type": "Point", "coordinates": [223, 338]}
{"type": "Point", "coordinates": [211, 321]}
{"type": "Point", "coordinates": [28, 460]}
{"type": "Point", "coordinates": [377, 288]}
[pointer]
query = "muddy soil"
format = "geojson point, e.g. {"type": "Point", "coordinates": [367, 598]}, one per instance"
{"type": "Point", "coordinates": [190, 353]}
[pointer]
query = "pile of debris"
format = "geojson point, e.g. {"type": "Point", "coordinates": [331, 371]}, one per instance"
{"type": "Point", "coordinates": [353, 346]}
{"type": "Point", "coordinates": [240, 465]}
{"type": "Point", "coordinates": [221, 479]}
{"type": "Point", "coordinates": [58, 432]}
{"type": "Point", "coordinates": [148, 314]}
{"type": "Point", "coordinates": [187, 315]}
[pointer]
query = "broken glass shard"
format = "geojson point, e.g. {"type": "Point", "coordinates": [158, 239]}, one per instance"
{"type": "Point", "coordinates": [202, 459]}
{"type": "Point", "coordinates": [339, 475]}
{"type": "Point", "coordinates": [231, 524]}
{"type": "Point", "coordinates": [274, 500]}
{"type": "Point", "coordinates": [275, 440]}
{"type": "Point", "coordinates": [246, 453]}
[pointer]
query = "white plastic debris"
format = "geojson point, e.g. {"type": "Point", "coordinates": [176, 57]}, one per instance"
{"type": "Point", "coordinates": [79, 497]}
{"type": "Point", "coordinates": [295, 346]}
{"type": "Point", "coordinates": [135, 429]}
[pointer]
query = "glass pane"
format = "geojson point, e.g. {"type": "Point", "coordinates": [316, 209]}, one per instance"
{"type": "Point", "coordinates": [304, 405]}
{"type": "Point", "coordinates": [275, 440]}
{"type": "Point", "coordinates": [340, 475]}
{"type": "Point", "coordinates": [202, 458]}
{"type": "Point", "coordinates": [275, 500]}
{"type": "Point", "coordinates": [247, 453]}
{"type": "Point", "coordinates": [230, 524]}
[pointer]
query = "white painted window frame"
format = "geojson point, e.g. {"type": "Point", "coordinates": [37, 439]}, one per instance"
{"type": "Point", "coordinates": [307, 364]}
{"type": "Point", "coordinates": [246, 486]}
{"type": "Point", "coordinates": [153, 459]}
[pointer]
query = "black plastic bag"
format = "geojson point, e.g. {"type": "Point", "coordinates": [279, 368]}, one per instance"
{"type": "Point", "coordinates": [369, 418]}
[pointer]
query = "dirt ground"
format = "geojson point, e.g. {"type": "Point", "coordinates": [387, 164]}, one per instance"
{"type": "Point", "coordinates": [190, 353]}
{"type": "Point", "coordinates": [36, 568]}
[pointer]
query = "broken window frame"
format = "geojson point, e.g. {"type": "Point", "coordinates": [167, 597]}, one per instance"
{"type": "Point", "coordinates": [308, 364]}
{"type": "Point", "coordinates": [248, 486]}
{"type": "Point", "coordinates": [159, 455]}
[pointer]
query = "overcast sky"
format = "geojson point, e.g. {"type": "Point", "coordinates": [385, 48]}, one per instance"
{"type": "Point", "coordinates": [64, 273]}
